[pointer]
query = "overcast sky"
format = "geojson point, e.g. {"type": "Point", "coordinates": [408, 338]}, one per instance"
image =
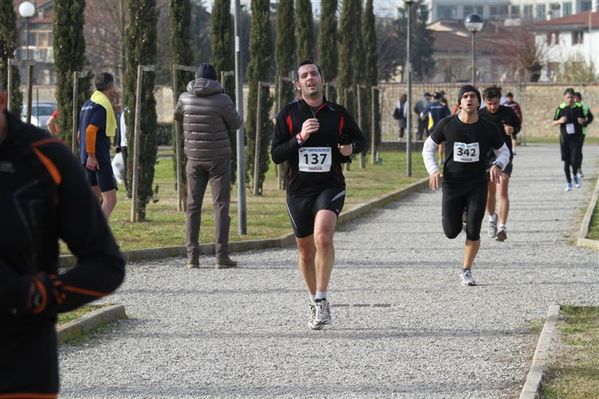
{"type": "Point", "coordinates": [384, 8]}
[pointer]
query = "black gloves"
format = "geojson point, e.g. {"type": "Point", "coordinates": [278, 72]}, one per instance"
{"type": "Point", "coordinates": [24, 294]}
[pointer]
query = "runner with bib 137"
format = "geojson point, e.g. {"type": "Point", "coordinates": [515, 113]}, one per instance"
{"type": "Point", "coordinates": [464, 179]}
{"type": "Point", "coordinates": [315, 137]}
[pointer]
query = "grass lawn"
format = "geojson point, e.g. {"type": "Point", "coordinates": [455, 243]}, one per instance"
{"type": "Point", "coordinates": [574, 374]}
{"type": "Point", "coordinates": [594, 227]}
{"type": "Point", "coordinates": [64, 318]}
{"type": "Point", "coordinates": [266, 214]}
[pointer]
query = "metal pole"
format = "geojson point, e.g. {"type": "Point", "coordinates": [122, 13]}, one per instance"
{"type": "Point", "coordinates": [74, 120]}
{"type": "Point", "coordinates": [241, 200]}
{"type": "Point", "coordinates": [409, 102]}
{"type": "Point", "coordinates": [473, 58]}
{"type": "Point", "coordinates": [177, 142]}
{"type": "Point", "coordinates": [258, 142]}
{"type": "Point", "coordinates": [372, 126]}
{"type": "Point", "coordinates": [9, 85]}
{"type": "Point", "coordinates": [27, 39]}
{"type": "Point", "coordinates": [134, 215]}
{"type": "Point", "coordinates": [29, 90]}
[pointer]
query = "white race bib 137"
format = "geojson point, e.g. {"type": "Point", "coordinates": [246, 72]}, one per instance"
{"type": "Point", "coordinates": [463, 152]}
{"type": "Point", "coordinates": [315, 159]}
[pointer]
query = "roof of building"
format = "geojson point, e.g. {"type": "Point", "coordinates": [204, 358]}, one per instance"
{"type": "Point", "coordinates": [571, 22]}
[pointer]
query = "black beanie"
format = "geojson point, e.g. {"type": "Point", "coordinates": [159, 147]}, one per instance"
{"type": "Point", "coordinates": [206, 71]}
{"type": "Point", "coordinates": [466, 89]}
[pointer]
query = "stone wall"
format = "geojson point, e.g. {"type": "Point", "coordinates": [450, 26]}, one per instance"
{"type": "Point", "coordinates": [538, 102]}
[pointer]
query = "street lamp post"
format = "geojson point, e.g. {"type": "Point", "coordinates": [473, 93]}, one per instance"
{"type": "Point", "coordinates": [474, 23]}
{"type": "Point", "coordinates": [408, 4]}
{"type": "Point", "coordinates": [26, 10]}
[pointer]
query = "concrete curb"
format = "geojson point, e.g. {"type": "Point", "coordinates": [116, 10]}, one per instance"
{"type": "Point", "coordinates": [280, 242]}
{"type": "Point", "coordinates": [539, 361]}
{"type": "Point", "coordinates": [90, 321]}
{"type": "Point", "coordinates": [582, 240]}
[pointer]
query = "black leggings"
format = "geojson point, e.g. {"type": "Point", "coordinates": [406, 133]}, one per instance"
{"type": "Point", "coordinates": [471, 197]}
{"type": "Point", "coordinates": [572, 156]}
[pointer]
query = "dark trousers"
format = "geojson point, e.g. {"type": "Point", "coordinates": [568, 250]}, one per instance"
{"type": "Point", "coordinates": [422, 128]}
{"type": "Point", "coordinates": [571, 149]}
{"type": "Point", "coordinates": [199, 173]}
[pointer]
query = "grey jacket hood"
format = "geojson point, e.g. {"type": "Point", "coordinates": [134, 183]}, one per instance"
{"type": "Point", "coordinates": [204, 87]}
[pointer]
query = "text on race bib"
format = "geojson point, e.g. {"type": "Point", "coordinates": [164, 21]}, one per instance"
{"type": "Point", "coordinates": [315, 159]}
{"type": "Point", "coordinates": [570, 128]}
{"type": "Point", "coordinates": [463, 152]}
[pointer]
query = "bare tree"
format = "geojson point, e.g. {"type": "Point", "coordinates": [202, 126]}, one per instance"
{"type": "Point", "coordinates": [519, 50]}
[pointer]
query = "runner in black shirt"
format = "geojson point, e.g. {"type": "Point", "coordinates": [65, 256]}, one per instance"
{"type": "Point", "coordinates": [569, 116]}
{"type": "Point", "coordinates": [44, 197]}
{"type": "Point", "coordinates": [468, 140]}
{"type": "Point", "coordinates": [509, 125]}
{"type": "Point", "coordinates": [315, 137]}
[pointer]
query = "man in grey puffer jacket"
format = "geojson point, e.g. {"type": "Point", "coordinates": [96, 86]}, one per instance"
{"type": "Point", "coordinates": [207, 114]}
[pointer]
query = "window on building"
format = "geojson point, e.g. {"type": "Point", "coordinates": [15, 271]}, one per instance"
{"type": "Point", "coordinates": [552, 38]}
{"type": "Point", "coordinates": [527, 12]}
{"type": "Point", "coordinates": [473, 10]}
{"type": "Point", "coordinates": [447, 12]}
{"type": "Point", "coordinates": [586, 5]}
{"type": "Point", "coordinates": [498, 11]}
{"type": "Point", "coordinates": [577, 37]}
{"type": "Point", "coordinates": [566, 9]}
{"type": "Point", "coordinates": [514, 11]}
{"type": "Point", "coordinates": [554, 9]}
{"type": "Point", "coordinates": [541, 11]}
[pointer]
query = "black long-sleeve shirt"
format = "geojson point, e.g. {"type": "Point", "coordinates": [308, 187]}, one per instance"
{"type": "Point", "coordinates": [336, 127]}
{"type": "Point", "coordinates": [45, 197]}
{"type": "Point", "coordinates": [504, 116]}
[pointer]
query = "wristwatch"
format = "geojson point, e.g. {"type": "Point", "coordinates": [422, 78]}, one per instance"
{"type": "Point", "coordinates": [498, 164]}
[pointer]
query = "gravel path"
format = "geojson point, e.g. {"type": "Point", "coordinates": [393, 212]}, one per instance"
{"type": "Point", "coordinates": [404, 327]}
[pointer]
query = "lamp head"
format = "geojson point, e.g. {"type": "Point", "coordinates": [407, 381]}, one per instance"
{"type": "Point", "coordinates": [26, 9]}
{"type": "Point", "coordinates": [474, 23]}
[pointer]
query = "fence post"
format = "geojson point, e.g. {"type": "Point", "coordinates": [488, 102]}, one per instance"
{"type": "Point", "coordinates": [258, 139]}
{"type": "Point", "coordinates": [373, 90]}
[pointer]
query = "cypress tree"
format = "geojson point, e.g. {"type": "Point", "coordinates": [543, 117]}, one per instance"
{"type": "Point", "coordinates": [223, 60]}
{"type": "Point", "coordinates": [423, 44]}
{"type": "Point", "coordinates": [8, 45]}
{"type": "Point", "coordinates": [284, 51]}
{"type": "Point", "coordinates": [370, 67]}
{"type": "Point", "coordinates": [327, 40]}
{"type": "Point", "coordinates": [349, 36]}
{"type": "Point", "coordinates": [304, 30]}
{"type": "Point", "coordinates": [258, 70]}
{"type": "Point", "coordinates": [141, 49]}
{"type": "Point", "coordinates": [180, 20]}
{"type": "Point", "coordinates": [69, 57]}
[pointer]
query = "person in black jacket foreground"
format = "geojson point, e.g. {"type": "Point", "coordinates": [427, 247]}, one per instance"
{"type": "Point", "coordinates": [44, 197]}
{"type": "Point", "coordinates": [315, 137]}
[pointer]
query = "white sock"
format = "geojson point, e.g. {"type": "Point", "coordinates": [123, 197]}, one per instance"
{"type": "Point", "coordinates": [321, 295]}
{"type": "Point", "coordinates": [493, 217]}
{"type": "Point", "coordinates": [502, 227]}
{"type": "Point", "coordinates": [312, 298]}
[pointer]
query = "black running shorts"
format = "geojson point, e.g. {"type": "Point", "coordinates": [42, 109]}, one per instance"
{"type": "Point", "coordinates": [471, 197]}
{"type": "Point", "coordinates": [302, 208]}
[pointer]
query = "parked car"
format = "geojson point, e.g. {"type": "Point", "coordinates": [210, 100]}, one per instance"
{"type": "Point", "coordinates": [41, 112]}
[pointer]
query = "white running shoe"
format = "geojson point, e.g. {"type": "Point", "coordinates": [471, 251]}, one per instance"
{"type": "Point", "coordinates": [467, 278]}
{"type": "Point", "coordinates": [576, 181]}
{"type": "Point", "coordinates": [568, 187]}
{"type": "Point", "coordinates": [501, 234]}
{"type": "Point", "coordinates": [492, 231]}
{"type": "Point", "coordinates": [322, 316]}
